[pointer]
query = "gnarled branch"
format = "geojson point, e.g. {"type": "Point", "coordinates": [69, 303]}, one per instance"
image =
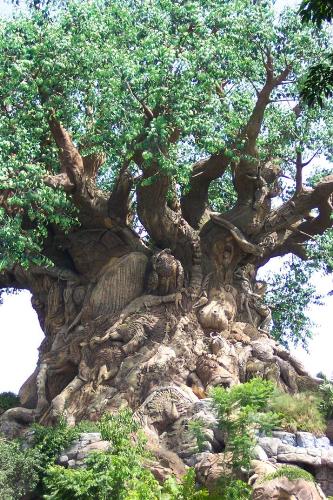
{"type": "Point", "coordinates": [195, 202]}
{"type": "Point", "coordinates": [293, 223]}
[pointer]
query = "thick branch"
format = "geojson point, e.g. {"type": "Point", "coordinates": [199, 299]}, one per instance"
{"type": "Point", "coordinates": [119, 201]}
{"type": "Point", "coordinates": [253, 126]}
{"type": "Point", "coordinates": [59, 181]}
{"type": "Point", "coordinates": [299, 172]}
{"type": "Point", "coordinates": [78, 177]}
{"type": "Point", "coordinates": [166, 227]}
{"type": "Point", "coordinates": [70, 158]}
{"type": "Point", "coordinates": [195, 202]}
{"type": "Point", "coordinates": [293, 223]}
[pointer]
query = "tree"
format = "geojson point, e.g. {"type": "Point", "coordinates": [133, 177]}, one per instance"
{"type": "Point", "coordinates": [143, 151]}
{"type": "Point", "coordinates": [319, 80]}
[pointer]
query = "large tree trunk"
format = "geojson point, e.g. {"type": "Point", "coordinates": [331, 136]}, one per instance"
{"type": "Point", "coordinates": [128, 327]}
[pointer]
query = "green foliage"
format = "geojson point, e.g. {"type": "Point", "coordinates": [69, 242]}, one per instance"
{"type": "Point", "coordinates": [318, 84]}
{"type": "Point", "coordinates": [50, 441]}
{"type": "Point", "coordinates": [197, 428]}
{"type": "Point", "coordinates": [322, 250]}
{"type": "Point", "coordinates": [9, 400]}
{"type": "Point", "coordinates": [185, 490]}
{"type": "Point", "coordinates": [87, 426]}
{"type": "Point", "coordinates": [290, 292]}
{"type": "Point", "coordinates": [316, 11]}
{"type": "Point", "coordinates": [240, 413]}
{"type": "Point", "coordinates": [291, 473]}
{"type": "Point", "coordinates": [118, 473]}
{"type": "Point", "coordinates": [298, 412]}
{"type": "Point", "coordinates": [19, 469]}
{"type": "Point", "coordinates": [233, 489]}
{"type": "Point", "coordinates": [95, 63]}
{"type": "Point", "coordinates": [107, 475]}
{"type": "Point", "coordinates": [118, 428]}
{"type": "Point", "coordinates": [326, 399]}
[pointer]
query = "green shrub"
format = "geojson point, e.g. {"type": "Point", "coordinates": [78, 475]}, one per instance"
{"type": "Point", "coordinates": [186, 490]}
{"type": "Point", "coordinates": [298, 412]}
{"type": "Point", "coordinates": [50, 441]}
{"type": "Point", "coordinates": [291, 473]}
{"type": "Point", "coordinates": [118, 473]}
{"type": "Point", "coordinates": [9, 400]}
{"type": "Point", "coordinates": [118, 428]}
{"type": "Point", "coordinates": [107, 475]}
{"type": "Point", "coordinates": [87, 426]}
{"type": "Point", "coordinates": [326, 402]}
{"type": "Point", "coordinates": [19, 470]}
{"type": "Point", "coordinates": [197, 427]}
{"type": "Point", "coordinates": [240, 413]}
{"type": "Point", "coordinates": [233, 489]}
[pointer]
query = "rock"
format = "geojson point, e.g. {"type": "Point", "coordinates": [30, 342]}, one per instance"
{"type": "Point", "coordinates": [260, 469]}
{"type": "Point", "coordinates": [327, 456]}
{"type": "Point", "coordinates": [286, 437]}
{"type": "Point", "coordinates": [258, 453]}
{"type": "Point", "coordinates": [295, 455]}
{"type": "Point", "coordinates": [63, 459]}
{"type": "Point", "coordinates": [194, 459]}
{"type": "Point", "coordinates": [97, 446]}
{"type": "Point", "coordinates": [166, 462]}
{"type": "Point", "coordinates": [212, 466]}
{"type": "Point", "coordinates": [282, 489]}
{"type": "Point", "coordinates": [322, 442]}
{"type": "Point", "coordinates": [287, 448]}
{"type": "Point", "coordinates": [72, 451]}
{"type": "Point", "coordinates": [90, 437]}
{"type": "Point", "coordinates": [270, 445]}
{"type": "Point", "coordinates": [324, 476]}
{"type": "Point", "coordinates": [329, 430]}
{"type": "Point", "coordinates": [305, 439]}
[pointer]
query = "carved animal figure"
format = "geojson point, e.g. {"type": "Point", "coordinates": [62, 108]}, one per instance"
{"type": "Point", "coordinates": [219, 311]}
{"type": "Point", "coordinates": [167, 275]}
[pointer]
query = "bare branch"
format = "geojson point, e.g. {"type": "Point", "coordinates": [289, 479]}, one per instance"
{"type": "Point", "coordinates": [148, 112]}
{"type": "Point", "coordinates": [299, 172]}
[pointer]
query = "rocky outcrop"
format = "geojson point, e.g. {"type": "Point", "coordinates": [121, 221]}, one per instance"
{"type": "Point", "coordinates": [74, 456]}
{"type": "Point", "coordinates": [283, 489]}
{"type": "Point", "coordinates": [313, 453]}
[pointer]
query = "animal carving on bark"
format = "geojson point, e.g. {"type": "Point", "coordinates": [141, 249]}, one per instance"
{"type": "Point", "coordinates": [167, 275]}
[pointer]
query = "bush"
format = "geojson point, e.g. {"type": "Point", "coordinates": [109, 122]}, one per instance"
{"type": "Point", "coordinates": [50, 441]}
{"type": "Point", "coordinates": [119, 473]}
{"type": "Point", "coordinates": [240, 413]}
{"type": "Point", "coordinates": [118, 428]}
{"type": "Point", "coordinates": [19, 470]}
{"type": "Point", "coordinates": [298, 412]}
{"type": "Point", "coordinates": [233, 489]}
{"type": "Point", "coordinates": [106, 476]}
{"type": "Point", "coordinates": [326, 403]}
{"type": "Point", "coordinates": [9, 400]}
{"type": "Point", "coordinates": [291, 473]}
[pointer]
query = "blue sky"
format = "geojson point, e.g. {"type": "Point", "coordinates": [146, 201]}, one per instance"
{"type": "Point", "coordinates": [20, 333]}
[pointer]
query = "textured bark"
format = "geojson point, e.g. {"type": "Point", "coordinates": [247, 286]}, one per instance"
{"type": "Point", "coordinates": [129, 327]}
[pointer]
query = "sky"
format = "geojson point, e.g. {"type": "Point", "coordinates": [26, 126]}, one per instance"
{"type": "Point", "coordinates": [20, 333]}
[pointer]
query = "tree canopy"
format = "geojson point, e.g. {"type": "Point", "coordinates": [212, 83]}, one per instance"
{"type": "Point", "coordinates": [319, 81]}
{"type": "Point", "coordinates": [147, 115]}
